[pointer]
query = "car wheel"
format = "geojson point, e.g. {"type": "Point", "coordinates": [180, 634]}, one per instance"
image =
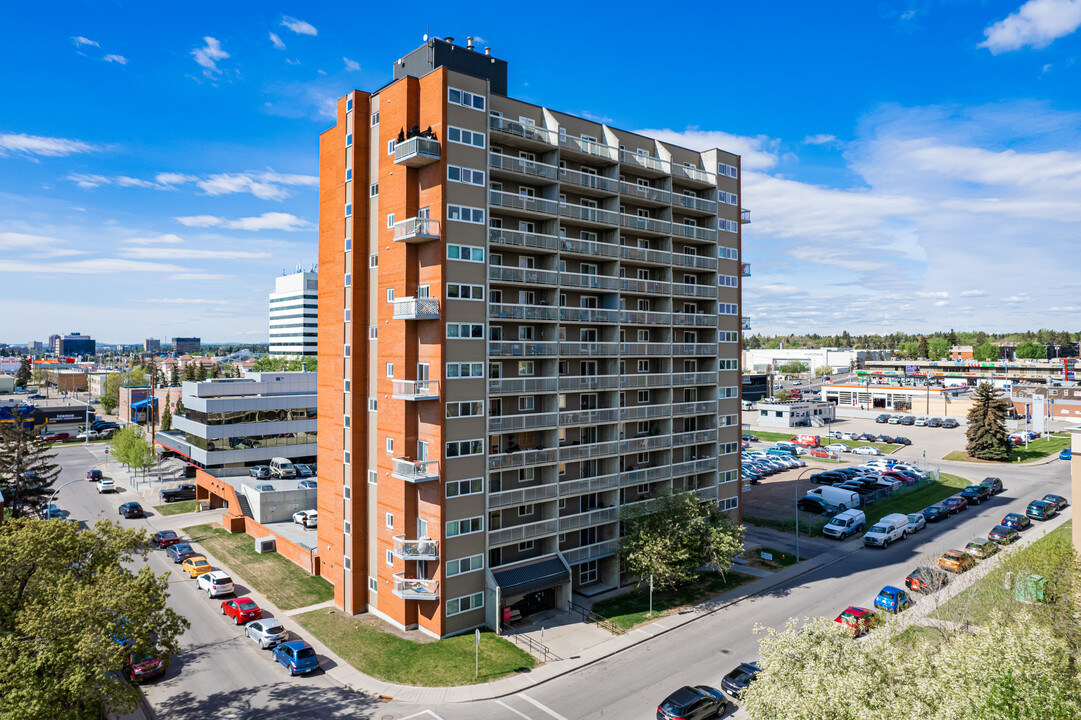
{"type": "Point", "coordinates": [208, 593]}
{"type": "Point", "coordinates": [904, 534]}
{"type": "Point", "coordinates": [292, 672]}
{"type": "Point", "coordinates": [236, 620]}
{"type": "Point", "coordinates": [262, 645]}
{"type": "Point", "coordinates": [222, 609]}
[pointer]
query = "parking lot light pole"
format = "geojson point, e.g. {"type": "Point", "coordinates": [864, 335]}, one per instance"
{"type": "Point", "coordinates": [53, 496]}
{"type": "Point", "coordinates": [796, 493]}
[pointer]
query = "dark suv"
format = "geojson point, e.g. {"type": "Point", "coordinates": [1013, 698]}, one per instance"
{"type": "Point", "coordinates": [693, 703]}
{"type": "Point", "coordinates": [94, 475]}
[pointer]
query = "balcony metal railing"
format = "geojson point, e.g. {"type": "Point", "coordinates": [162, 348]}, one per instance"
{"type": "Point", "coordinates": [646, 162]}
{"type": "Point", "coordinates": [745, 323]}
{"type": "Point", "coordinates": [522, 386]}
{"type": "Point", "coordinates": [525, 276]}
{"type": "Point", "coordinates": [595, 349]}
{"type": "Point", "coordinates": [509, 311]}
{"type": "Point", "coordinates": [694, 438]}
{"type": "Point", "coordinates": [409, 588]}
{"type": "Point", "coordinates": [588, 315]}
{"type": "Point", "coordinates": [630, 252]}
{"type": "Point", "coordinates": [421, 549]}
{"type": "Point", "coordinates": [646, 475]}
{"type": "Point", "coordinates": [644, 317]}
{"type": "Point", "coordinates": [700, 407]}
{"type": "Point", "coordinates": [583, 553]}
{"type": "Point", "coordinates": [521, 459]}
{"type": "Point", "coordinates": [522, 130]}
{"type": "Point", "coordinates": [599, 516]}
{"type": "Point", "coordinates": [588, 214]}
{"type": "Point", "coordinates": [645, 412]}
{"type": "Point", "coordinates": [416, 230]}
{"type": "Point", "coordinates": [600, 416]}
{"type": "Point", "coordinates": [745, 269]}
{"type": "Point", "coordinates": [588, 280]}
{"type": "Point", "coordinates": [578, 383]}
{"type": "Point", "coordinates": [701, 378]}
{"type": "Point", "coordinates": [499, 348]}
{"type": "Point", "coordinates": [645, 224]}
{"type": "Point", "coordinates": [519, 533]}
{"type": "Point", "coordinates": [694, 319]}
{"type": "Point", "coordinates": [416, 389]}
{"type": "Point", "coordinates": [694, 290]}
{"type": "Point", "coordinates": [412, 308]}
{"type": "Point", "coordinates": [694, 261]}
{"type": "Point", "coordinates": [499, 161]}
{"type": "Point", "coordinates": [697, 349]}
{"type": "Point", "coordinates": [646, 380]}
{"type": "Point", "coordinates": [583, 486]}
{"type": "Point", "coordinates": [692, 173]}
{"type": "Point", "coordinates": [588, 180]}
{"type": "Point", "coordinates": [643, 349]}
{"type": "Point", "coordinates": [414, 471]}
{"type": "Point", "coordinates": [645, 192]}
{"type": "Point", "coordinates": [694, 231]}
{"type": "Point", "coordinates": [707, 493]}
{"type": "Point", "coordinates": [744, 216]}
{"type": "Point", "coordinates": [416, 151]}
{"type": "Point", "coordinates": [695, 203]}
{"type": "Point", "coordinates": [569, 453]}
{"type": "Point", "coordinates": [518, 496]}
{"type": "Point", "coordinates": [516, 238]}
{"type": "Point", "coordinates": [692, 467]}
{"type": "Point", "coordinates": [528, 203]}
{"type": "Point", "coordinates": [517, 423]}
{"type": "Point", "coordinates": [644, 444]}
{"type": "Point", "coordinates": [652, 287]}
{"type": "Point", "coordinates": [589, 147]}
{"type": "Point", "coordinates": [589, 247]}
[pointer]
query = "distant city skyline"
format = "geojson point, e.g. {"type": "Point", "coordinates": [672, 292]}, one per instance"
{"type": "Point", "coordinates": [908, 167]}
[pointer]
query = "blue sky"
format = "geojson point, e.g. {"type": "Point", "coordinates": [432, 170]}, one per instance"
{"type": "Point", "coordinates": [909, 166]}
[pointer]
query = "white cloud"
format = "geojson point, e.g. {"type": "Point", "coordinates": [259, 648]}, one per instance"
{"type": "Point", "coordinates": [168, 239]}
{"type": "Point", "coordinates": [266, 221]}
{"type": "Point", "coordinates": [299, 26]}
{"type": "Point", "coordinates": [37, 245]}
{"type": "Point", "coordinates": [973, 293]}
{"type": "Point", "coordinates": [88, 182]}
{"type": "Point", "coordinates": [174, 178]}
{"type": "Point", "coordinates": [351, 65]}
{"type": "Point", "coordinates": [278, 44]}
{"type": "Point", "coordinates": [125, 181]}
{"type": "Point", "coordinates": [776, 289]}
{"type": "Point", "coordinates": [757, 153]}
{"type": "Point", "coordinates": [1036, 24]}
{"type": "Point", "coordinates": [92, 266]}
{"type": "Point", "coordinates": [189, 301]}
{"type": "Point", "coordinates": [1065, 308]}
{"type": "Point", "coordinates": [172, 253]}
{"type": "Point", "coordinates": [942, 294]}
{"type": "Point", "coordinates": [1014, 299]}
{"type": "Point", "coordinates": [43, 146]}
{"type": "Point", "coordinates": [819, 139]}
{"type": "Point", "coordinates": [80, 40]}
{"type": "Point", "coordinates": [209, 55]}
{"type": "Point", "coordinates": [266, 186]}
{"type": "Point", "coordinates": [199, 276]}
{"type": "Point", "coordinates": [908, 14]}
{"type": "Point", "coordinates": [116, 59]}
{"type": "Point", "coordinates": [942, 303]}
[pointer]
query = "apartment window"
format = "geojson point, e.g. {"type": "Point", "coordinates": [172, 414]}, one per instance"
{"type": "Point", "coordinates": [643, 426]}
{"type": "Point", "coordinates": [349, 175]}
{"type": "Point", "coordinates": [349, 140]}
{"type": "Point", "coordinates": [465, 370]}
{"type": "Point", "coordinates": [389, 557]}
{"type": "Point", "coordinates": [469, 176]}
{"type": "Point", "coordinates": [349, 210]}
{"type": "Point", "coordinates": [643, 396]}
{"type": "Point", "coordinates": [347, 528]}
{"type": "Point", "coordinates": [347, 562]}
{"type": "Point", "coordinates": [643, 489]}
{"type": "Point", "coordinates": [346, 386]}
{"type": "Point", "coordinates": [465, 253]}
{"type": "Point", "coordinates": [525, 367]}
{"type": "Point", "coordinates": [390, 370]}
{"type": "Point", "coordinates": [458, 488]}
{"type": "Point", "coordinates": [459, 291]}
{"type": "Point", "coordinates": [390, 446]}
{"type": "Point", "coordinates": [463, 213]}
{"type": "Point", "coordinates": [373, 586]}
{"type": "Point", "coordinates": [348, 279]}
{"type": "Point", "coordinates": [727, 253]}
{"type": "Point", "coordinates": [467, 526]}
{"type": "Point", "coordinates": [373, 190]}
{"type": "Point", "coordinates": [728, 364]}
{"type": "Point", "coordinates": [465, 99]}
{"type": "Point", "coordinates": [373, 477]}
{"type": "Point", "coordinates": [524, 510]}
{"type": "Point", "coordinates": [463, 604]}
{"type": "Point", "coordinates": [465, 331]}
{"type": "Point", "coordinates": [465, 409]}
{"type": "Point", "coordinates": [465, 137]}
{"type": "Point", "coordinates": [346, 421]}
{"type": "Point", "coordinates": [728, 337]}
{"type": "Point", "coordinates": [729, 392]}
{"type": "Point", "coordinates": [375, 118]}
{"type": "Point", "coordinates": [345, 351]}
{"type": "Point", "coordinates": [587, 572]}
{"type": "Point", "coordinates": [643, 366]}
{"type": "Point", "coordinates": [390, 221]}
{"type": "Point", "coordinates": [727, 281]}
{"type": "Point", "coordinates": [525, 546]}
{"type": "Point", "coordinates": [373, 405]}
{"type": "Point", "coordinates": [345, 492]}
{"type": "Point", "coordinates": [728, 476]}
{"type": "Point", "coordinates": [465, 565]}
{"type": "Point", "coordinates": [643, 458]}
{"type": "Point", "coordinates": [730, 503]}
{"type": "Point", "coordinates": [390, 146]}
{"type": "Point", "coordinates": [728, 309]}
{"type": "Point", "coordinates": [464, 448]}
{"type": "Point", "coordinates": [345, 457]}
{"type": "Point", "coordinates": [373, 332]}
{"type": "Point", "coordinates": [526, 403]}
{"type": "Point", "coordinates": [349, 105]}
{"type": "Point", "coordinates": [729, 448]}
{"type": "Point", "coordinates": [727, 420]}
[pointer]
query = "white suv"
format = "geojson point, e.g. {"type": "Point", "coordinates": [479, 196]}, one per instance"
{"type": "Point", "coordinates": [106, 485]}
{"type": "Point", "coordinates": [215, 583]}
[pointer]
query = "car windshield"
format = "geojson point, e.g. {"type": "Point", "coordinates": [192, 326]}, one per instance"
{"type": "Point", "coordinates": [882, 529]}
{"type": "Point", "coordinates": [181, 547]}
{"type": "Point", "coordinates": [142, 657]}
{"type": "Point", "coordinates": [248, 606]}
{"type": "Point", "coordinates": [200, 563]}
{"type": "Point", "coordinates": [167, 534]}
{"type": "Point", "coordinates": [305, 653]}
{"type": "Point", "coordinates": [914, 517]}
{"type": "Point", "coordinates": [849, 617]}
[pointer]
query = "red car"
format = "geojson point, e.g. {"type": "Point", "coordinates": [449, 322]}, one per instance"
{"type": "Point", "coordinates": [897, 476]}
{"type": "Point", "coordinates": [955, 504]}
{"type": "Point", "coordinates": [143, 666]}
{"type": "Point", "coordinates": [56, 437]}
{"type": "Point", "coordinates": [165, 538]}
{"type": "Point", "coordinates": [242, 610]}
{"type": "Point", "coordinates": [858, 619]}
{"type": "Point", "coordinates": [822, 454]}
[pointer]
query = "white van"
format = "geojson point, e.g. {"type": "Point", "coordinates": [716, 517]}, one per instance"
{"type": "Point", "coordinates": [282, 468]}
{"type": "Point", "coordinates": [843, 499]}
{"type": "Point", "coordinates": [847, 523]}
{"type": "Point", "coordinates": [892, 527]}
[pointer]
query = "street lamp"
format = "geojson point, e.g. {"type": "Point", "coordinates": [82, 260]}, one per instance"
{"type": "Point", "coordinates": [796, 494]}
{"type": "Point", "coordinates": [53, 496]}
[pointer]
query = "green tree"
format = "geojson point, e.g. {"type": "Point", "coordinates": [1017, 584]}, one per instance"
{"type": "Point", "coordinates": [27, 467]}
{"type": "Point", "coordinates": [923, 351]}
{"type": "Point", "coordinates": [200, 372]}
{"type": "Point", "coordinates": [822, 371]}
{"type": "Point", "coordinates": [174, 376]}
{"type": "Point", "coordinates": [985, 352]}
{"type": "Point", "coordinates": [938, 348]}
{"type": "Point", "coordinates": [793, 368]}
{"type": "Point", "coordinates": [125, 444]}
{"type": "Point", "coordinates": [58, 657]}
{"type": "Point", "coordinates": [22, 375]}
{"type": "Point", "coordinates": [189, 371]}
{"type": "Point", "coordinates": [782, 396]}
{"type": "Point", "coordinates": [986, 433]}
{"type": "Point", "coordinates": [674, 537]}
{"type": "Point", "coordinates": [1031, 350]}
{"type": "Point", "coordinates": [167, 414]}
{"type": "Point", "coordinates": [981, 338]}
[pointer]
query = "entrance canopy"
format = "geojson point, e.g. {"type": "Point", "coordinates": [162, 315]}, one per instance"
{"type": "Point", "coordinates": [533, 577]}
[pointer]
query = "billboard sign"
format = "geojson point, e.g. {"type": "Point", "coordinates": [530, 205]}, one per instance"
{"type": "Point", "coordinates": [912, 370]}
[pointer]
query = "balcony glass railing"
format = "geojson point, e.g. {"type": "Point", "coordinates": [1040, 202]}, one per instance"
{"type": "Point", "coordinates": [646, 162]}
{"type": "Point", "coordinates": [630, 252]}
{"type": "Point", "coordinates": [700, 407]}
{"type": "Point", "coordinates": [599, 516]}
{"type": "Point", "coordinates": [411, 308]}
{"type": "Point", "coordinates": [571, 418]}
{"type": "Point", "coordinates": [588, 214]}
{"type": "Point", "coordinates": [645, 412]}
{"type": "Point", "coordinates": [510, 498]}
{"type": "Point", "coordinates": [646, 475]}
{"type": "Point", "coordinates": [643, 444]}
{"type": "Point", "coordinates": [416, 389]}
{"type": "Point", "coordinates": [650, 380]}
{"type": "Point", "coordinates": [694, 231]}
{"type": "Point", "coordinates": [645, 349]}
{"type": "Point", "coordinates": [570, 453]}
{"type": "Point", "coordinates": [526, 276]}
{"type": "Point", "coordinates": [645, 192]}
{"type": "Point", "coordinates": [694, 438]}
{"type": "Point", "coordinates": [643, 317]}
{"type": "Point", "coordinates": [414, 470]}
{"type": "Point", "coordinates": [589, 147]}
{"type": "Point", "coordinates": [521, 459]}
{"type": "Point", "coordinates": [652, 287]}
{"type": "Point", "coordinates": [588, 315]}
{"type": "Point", "coordinates": [409, 588]}
{"type": "Point", "coordinates": [597, 349]}
{"type": "Point", "coordinates": [645, 224]}
{"type": "Point", "coordinates": [589, 247]}
{"type": "Point", "coordinates": [694, 319]}
{"type": "Point", "coordinates": [416, 151]}
{"type": "Point", "coordinates": [517, 423]}
{"type": "Point", "coordinates": [694, 290]}
{"type": "Point", "coordinates": [745, 323]}
{"type": "Point", "coordinates": [745, 269]}
{"type": "Point", "coordinates": [744, 216]}
{"type": "Point", "coordinates": [499, 161]}
{"type": "Point", "coordinates": [421, 549]}
{"type": "Point", "coordinates": [528, 203]}
{"type": "Point", "coordinates": [695, 261]}
{"type": "Point", "coordinates": [587, 280]}
{"type": "Point", "coordinates": [416, 230]}
{"type": "Point", "coordinates": [691, 467]}
{"type": "Point", "coordinates": [522, 130]}
{"type": "Point", "coordinates": [583, 553]}
{"type": "Point", "coordinates": [695, 203]}
{"type": "Point", "coordinates": [520, 533]}
{"type": "Point", "coordinates": [696, 349]}
{"type": "Point", "coordinates": [692, 173]}
{"type": "Point", "coordinates": [499, 236]}
{"type": "Point", "coordinates": [583, 486]}
{"type": "Point", "coordinates": [508, 311]}
{"type": "Point", "coordinates": [577, 383]}
{"type": "Point", "coordinates": [498, 348]}
{"type": "Point", "coordinates": [588, 180]}
{"type": "Point", "coordinates": [701, 378]}
{"type": "Point", "coordinates": [522, 386]}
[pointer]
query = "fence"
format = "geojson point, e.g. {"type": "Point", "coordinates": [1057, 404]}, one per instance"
{"type": "Point", "coordinates": [891, 493]}
{"type": "Point", "coordinates": [591, 617]}
{"type": "Point", "coordinates": [533, 647]}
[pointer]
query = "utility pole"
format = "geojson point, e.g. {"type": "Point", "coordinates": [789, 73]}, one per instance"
{"type": "Point", "coordinates": [151, 411]}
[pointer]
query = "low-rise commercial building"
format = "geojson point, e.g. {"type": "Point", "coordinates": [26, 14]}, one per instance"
{"type": "Point", "coordinates": [835, 360]}
{"type": "Point", "coordinates": [920, 398]}
{"type": "Point", "coordinates": [1050, 402]}
{"type": "Point", "coordinates": [794, 413]}
{"type": "Point", "coordinates": [959, 373]}
{"type": "Point", "coordinates": [67, 380]}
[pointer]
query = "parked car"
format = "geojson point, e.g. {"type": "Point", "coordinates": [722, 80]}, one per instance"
{"type": "Point", "coordinates": [883, 419]}
{"type": "Point", "coordinates": [850, 436]}
{"type": "Point", "coordinates": [307, 518]}
{"type": "Point", "coordinates": [165, 538]}
{"type": "Point", "coordinates": [866, 437]}
{"type": "Point", "coordinates": [866, 450]}
{"type": "Point", "coordinates": [916, 522]}
{"type": "Point", "coordinates": [956, 561]}
{"type": "Point", "coordinates": [260, 472]}
{"type": "Point", "coordinates": [56, 437]}
{"type": "Point", "coordinates": [141, 667]}
{"type": "Point", "coordinates": [750, 438]}
{"type": "Point", "coordinates": [215, 583]}
{"type": "Point", "coordinates": [297, 656]}
{"type": "Point", "coordinates": [920, 422]}
{"type": "Point", "coordinates": [195, 566]}
{"type": "Point", "coordinates": [891, 527]}
{"type": "Point", "coordinates": [901, 441]}
{"type": "Point", "coordinates": [993, 485]}
{"type": "Point", "coordinates": [816, 506]}
{"type": "Point", "coordinates": [179, 552]}
{"type": "Point", "coordinates": [975, 494]}
{"type": "Point", "coordinates": [106, 485]}
{"type": "Point", "coordinates": [1057, 500]}
{"type": "Point", "coordinates": [264, 487]}
{"type": "Point", "coordinates": [908, 420]}
{"type": "Point", "coordinates": [303, 471]}
{"type": "Point", "coordinates": [241, 609]}
{"type": "Point", "coordinates": [828, 478]}
{"type": "Point", "coordinates": [307, 485]}
{"type": "Point", "coordinates": [858, 619]}
{"type": "Point", "coordinates": [94, 475]}
{"type": "Point", "coordinates": [950, 423]}
{"type": "Point", "coordinates": [1003, 534]}
{"type": "Point", "coordinates": [838, 447]}
{"type": "Point", "coordinates": [885, 439]}
{"type": "Point", "coordinates": [1016, 520]}
{"type": "Point", "coordinates": [981, 547]}
{"type": "Point", "coordinates": [180, 492]}
{"type": "Point", "coordinates": [131, 510]}
{"type": "Point", "coordinates": [926, 579]}
{"type": "Point", "coordinates": [955, 504]}
{"type": "Point", "coordinates": [892, 599]}
{"type": "Point", "coordinates": [268, 632]}
{"type": "Point", "coordinates": [895, 420]}
{"type": "Point", "coordinates": [934, 422]}
{"type": "Point", "coordinates": [90, 435]}
{"type": "Point", "coordinates": [693, 703]}
{"type": "Point", "coordinates": [1041, 510]}
{"type": "Point", "coordinates": [739, 679]}
{"type": "Point", "coordinates": [1066, 454]}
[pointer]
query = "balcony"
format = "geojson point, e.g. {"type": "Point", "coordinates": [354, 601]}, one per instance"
{"type": "Point", "coordinates": [745, 269]}
{"type": "Point", "coordinates": [692, 467]}
{"type": "Point", "coordinates": [416, 389]}
{"type": "Point", "coordinates": [696, 349]}
{"type": "Point", "coordinates": [586, 146]}
{"type": "Point", "coordinates": [599, 516]}
{"type": "Point", "coordinates": [416, 152]}
{"type": "Point", "coordinates": [589, 247]}
{"type": "Point", "coordinates": [646, 380]}
{"type": "Point", "coordinates": [521, 533]}
{"type": "Point", "coordinates": [690, 202]}
{"type": "Point", "coordinates": [589, 349]}
{"type": "Point", "coordinates": [525, 421]}
{"type": "Point", "coordinates": [645, 193]}
{"type": "Point", "coordinates": [647, 255]}
{"type": "Point", "coordinates": [701, 378]}
{"type": "Point", "coordinates": [694, 231]}
{"type": "Point", "coordinates": [583, 553]}
{"type": "Point", "coordinates": [744, 216]}
{"type": "Point", "coordinates": [694, 319]}
{"type": "Point", "coordinates": [526, 203]}
{"type": "Point", "coordinates": [509, 311]}
{"type": "Point", "coordinates": [643, 349]}
{"type": "Point", "coordinates": [416, 230]}
{"type": "Point", "coordinates": [645, 412]}
{"type": "Point", "coordinates": [516, 238]}
{"type": "Point", "coordinates": [422, 549]}
{"type": "Point", "coordinates": [694, 290]}
{"type": "Point", "coordinates": [579, 383]}
{"type": "Point", "coordinates": [521, 459]}
{"type": "Point", "coordinates": [649, 287]}
{"type": "Point", "coordinates": [645, 444]}
{"type": "Point", "coordinates": [517, 165]}
{"type": "Point", "coordinates": [643, 317]}
{"type": "Point", "coordinates": [694, 408]}
{"type": "Point", "coordinates": [520, 496]}
{"type": "Point", "coordinates": [745, 323]}
{"type": "Point", "coordinates": [414, 471]}
{"type": "Point", "coordinates": [522, 386]}
{"type": "Point", "coordinates": [412, 308]}
{"type": "Point", "coordinates": [583, 486]}
{"type": "Point", "coordinates": [577, 418]}
{"type": "Point", "coordinates": [694, 261]}
{"type": "Point", "coordinates": [589, 181]}
{"type": "Point", "coordinates": [587, 214]}
{"type": "Point", "coordinates": [588, 315]}
{"type": "Point", "coordinates": [415, 588]}
{"type": "Point", "coordinates": [697, 437]}
{"type": "Point", "coordinates": [646, 475]}
{"type": "Point", "coordinates": [689, 172]}
{"type": "Point", "coordinates": [589, 280]}
{"type": "Point", "coordinates": [499, 348]}
{"type": "Point", "coordinates": [645, 162]}
{"type": "Point", "coordinates": [522, 276]}
{"type": "Point", "coordinates": [569, 453]}
{"type": "Point", "coordinates": [522, 130]}
{"type": "Point", "coordinates": [645, 224]}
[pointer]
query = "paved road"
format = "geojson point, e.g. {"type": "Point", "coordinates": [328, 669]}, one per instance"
{"type": "Point", "coordinates": [221, 675]}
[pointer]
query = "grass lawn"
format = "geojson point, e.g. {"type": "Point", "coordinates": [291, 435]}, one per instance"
{"type": "Point", "coordinates": [1036, 450]}
{"type": "Point", "coordinates": [884, 448]}
{"type": "Point", "coordinates": [808, 526]}
{"type": "Point", "coordinates": [177, 508]}
{"type": "Point", "coordinates": [388, 657]}
{"type": "Point", "coordinates": [765, 436]}
{"type": "Point", "coordinates": [916, 500]}
{"type": "Point", "coordinates": [632, 609]}
{"type": "Point", "coordinates": [283, 583]}
{"type": "Point", "coordinates": [780, 559]}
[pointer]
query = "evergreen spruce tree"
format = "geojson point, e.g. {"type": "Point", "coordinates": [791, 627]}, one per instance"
{"type": "Point", "coordinates": [174, 376]}
{"type": "Point", "coordinates": [923, 352]}
{"type": "Point", "coordinates": [987, 436]}
{"type": "Point", "coordinates": [27, 468]}
{"type": "Point", "coordinates": [167, 414]}
{"type": "Point", "coordinates": [200, 372]}
{"type": "Point", "coordinates": [189, 371]}
{"type": "Point", "coordinates": [22, 375]}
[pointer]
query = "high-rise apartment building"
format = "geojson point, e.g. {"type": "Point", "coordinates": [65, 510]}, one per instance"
{"type": "Point", "coordinates": [294, 314]}
{"type": "Point", "coordinates": [186, 345]}
{"type": "Point", "coordinates": [527, 321]}
{"type": "Point", "coordinates": [151, 345]}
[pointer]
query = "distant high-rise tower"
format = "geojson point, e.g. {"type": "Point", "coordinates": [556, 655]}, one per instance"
{"type": "Point", "coordinates": [151, 345]}
{"type": "Point", "coordinates": [186, 345]}
{"type": "Point", "coordinates": [294, 314]}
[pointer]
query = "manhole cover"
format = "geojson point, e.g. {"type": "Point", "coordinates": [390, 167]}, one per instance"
{"type": "Point", "coordinates": [724, 651]}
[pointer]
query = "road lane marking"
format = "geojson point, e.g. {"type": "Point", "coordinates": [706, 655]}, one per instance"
{"type": "Point", "coordinates": [423, 712]}
{"type": "Point", "coordinates": [548, 710]}
{"type": "Point", "coordinates": [521, 714]}
{"type": "Point", "coordinates": [643, 631]}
